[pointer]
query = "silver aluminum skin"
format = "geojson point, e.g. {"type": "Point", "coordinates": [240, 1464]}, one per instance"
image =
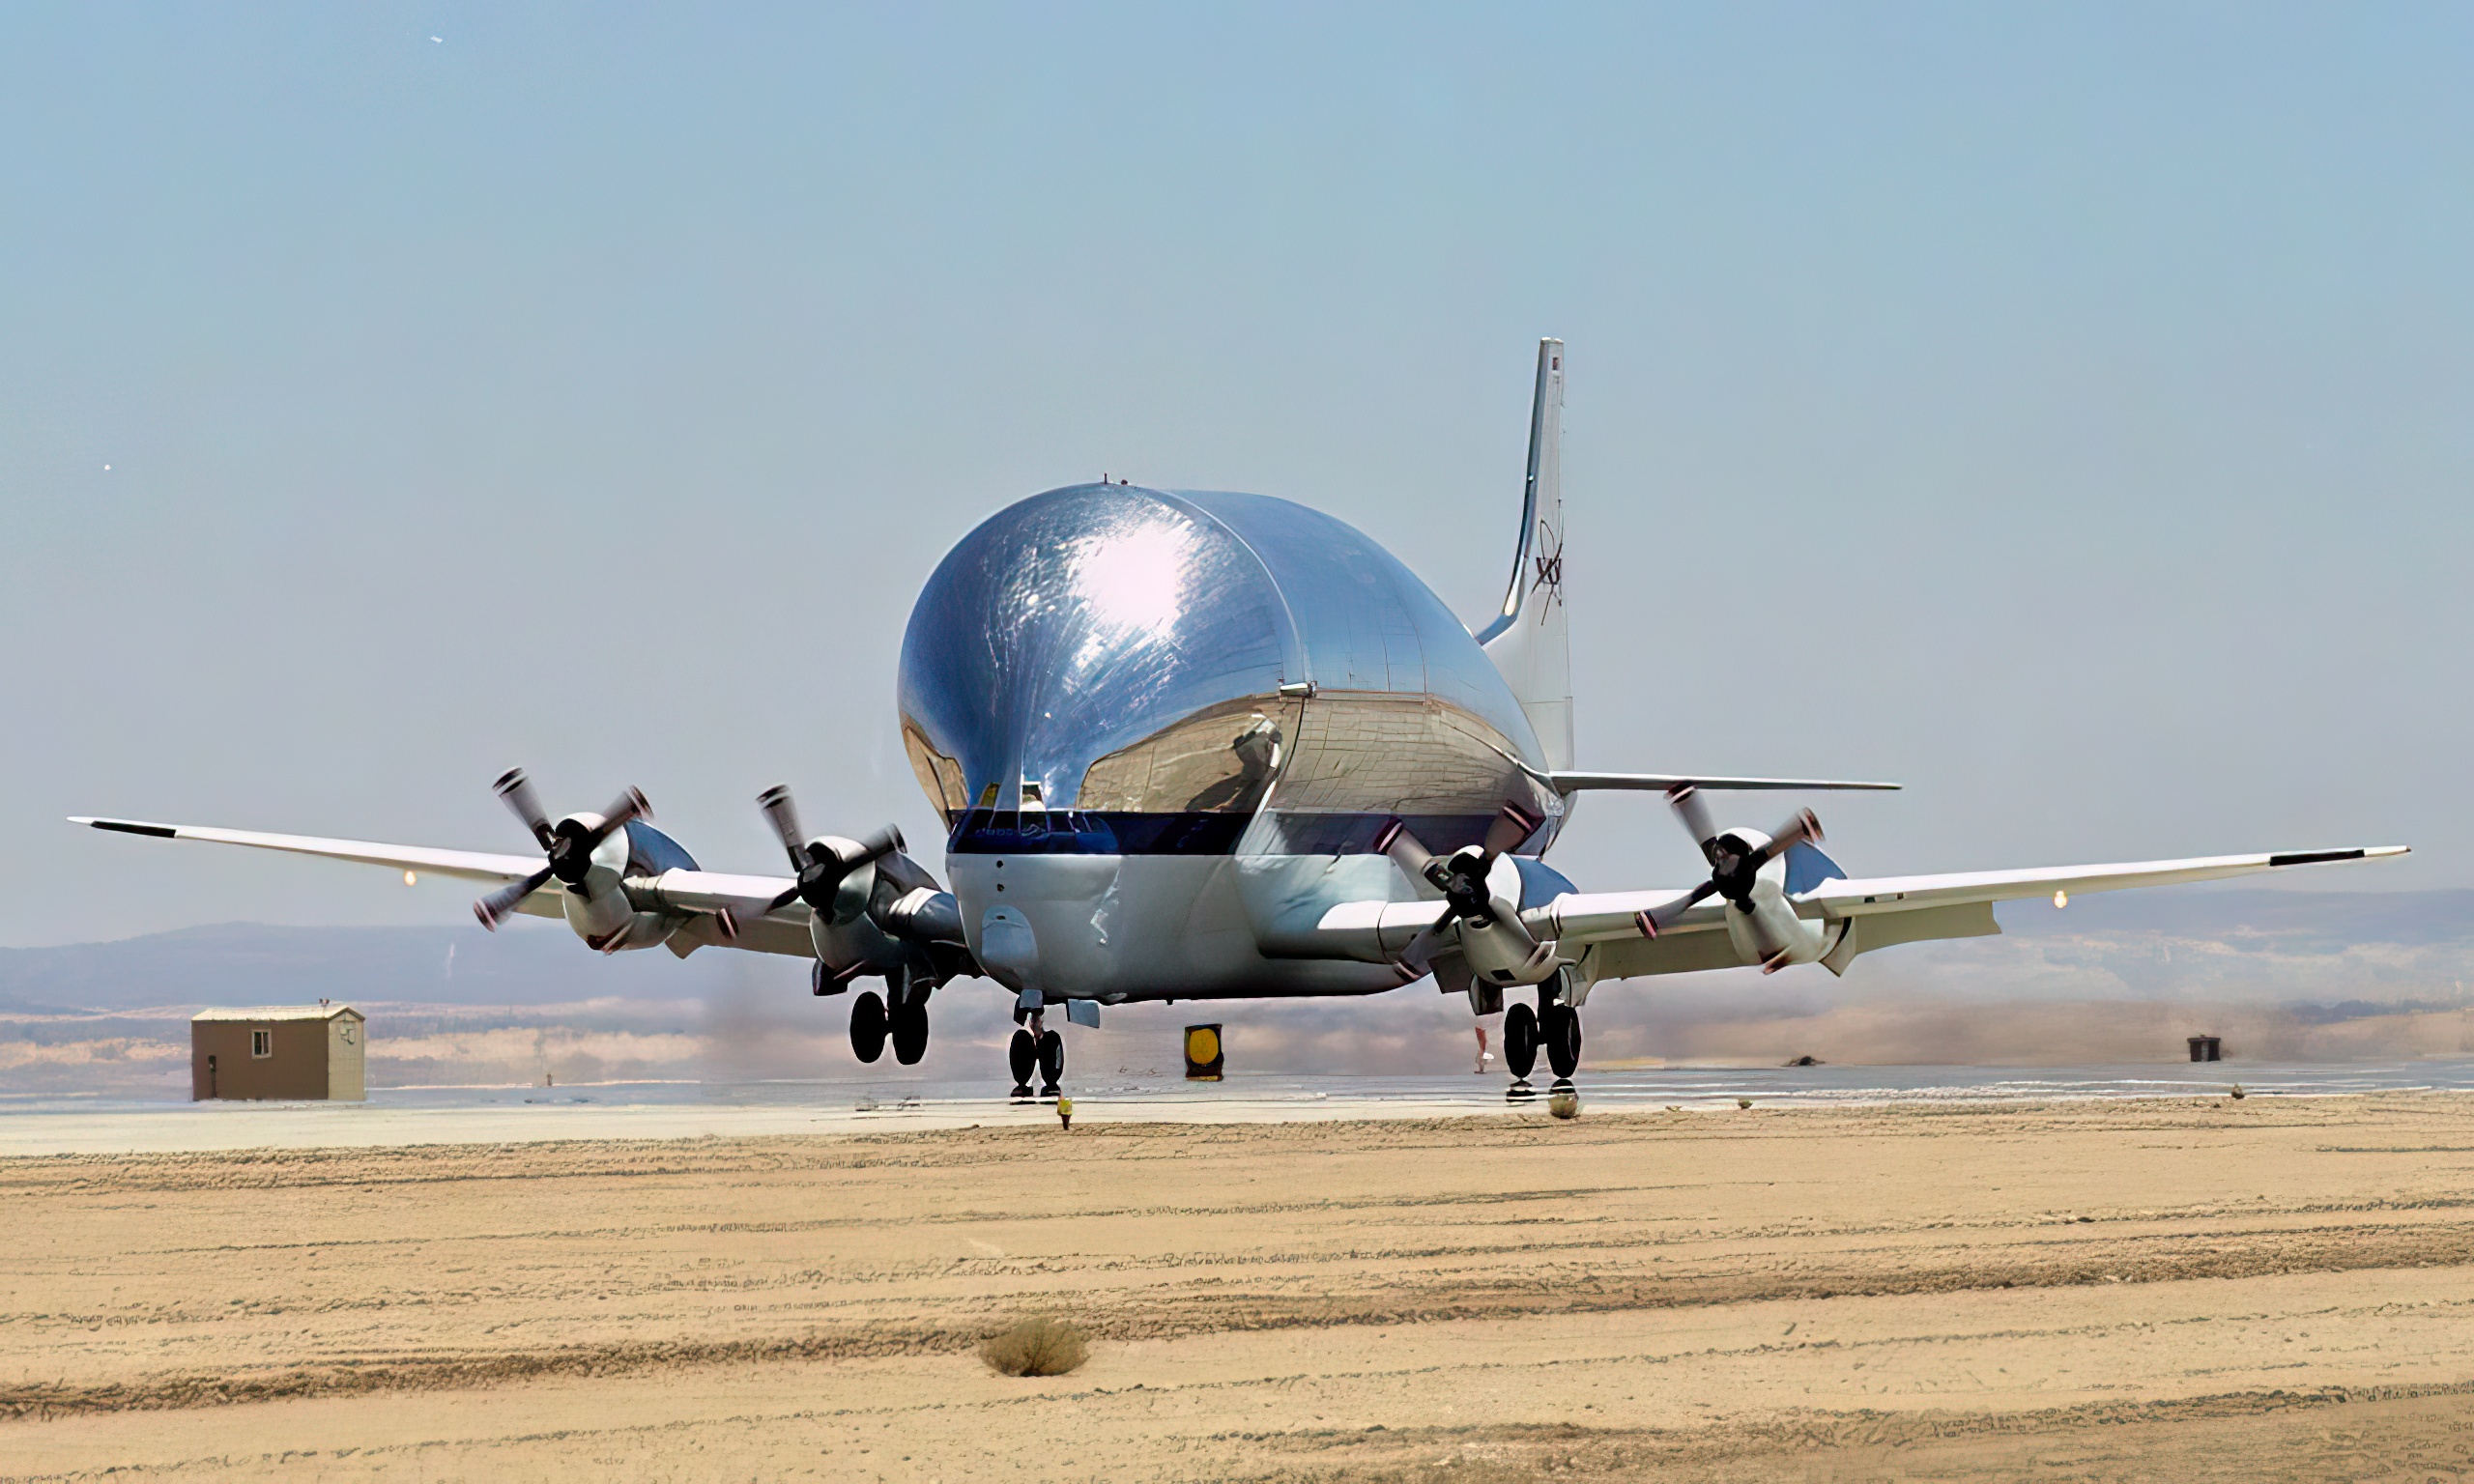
{"type": "Point", "coordinates": [1165, 728]}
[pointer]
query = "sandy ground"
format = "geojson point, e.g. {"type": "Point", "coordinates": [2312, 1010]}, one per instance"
{"type": "Point", "coordinates": [2195, 1289]}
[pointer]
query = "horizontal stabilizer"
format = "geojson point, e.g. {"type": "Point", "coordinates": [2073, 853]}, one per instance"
{"type": "Point", "coordinates": [1659, 783]}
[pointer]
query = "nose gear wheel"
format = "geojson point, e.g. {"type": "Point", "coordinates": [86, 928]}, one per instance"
{"type": "Point", "coordinates": [1022, 1055]}
{"type": "Point", "coordinates": [909, 1031]}
{"type": "Point", "coordinates": [867, 1026]}
{"type": "Point", "coordinates": [1051, 1063]}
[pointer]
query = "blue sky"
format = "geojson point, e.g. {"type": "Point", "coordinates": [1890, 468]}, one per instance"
{"type": "Point", "coordinates": [2060, 410]}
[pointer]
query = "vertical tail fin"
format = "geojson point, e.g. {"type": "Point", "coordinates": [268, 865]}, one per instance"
{"type": "Point", "coordinates": [1528, 640]}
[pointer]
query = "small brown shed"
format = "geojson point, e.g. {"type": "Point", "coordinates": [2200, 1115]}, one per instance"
{"type": "Point", "coordinates": [278, 1052]}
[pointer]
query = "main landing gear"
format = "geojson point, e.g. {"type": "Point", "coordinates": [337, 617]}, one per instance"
{"type": "Point", "coordinates": [904, 1023]}
{"type": "Point", "coordinates": [1554, 1027]}
{"type": "Point", "coordinates": [1036, 1049]}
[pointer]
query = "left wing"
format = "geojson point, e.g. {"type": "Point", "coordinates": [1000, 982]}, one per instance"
{"type": "Point", "coordinates": [1612, 930]}
{"type": "Point", "coordinates": [1858, 915]}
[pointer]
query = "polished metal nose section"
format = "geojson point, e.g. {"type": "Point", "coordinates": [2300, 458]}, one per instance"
{"type": "Point", "coordinates": [1009, 949]}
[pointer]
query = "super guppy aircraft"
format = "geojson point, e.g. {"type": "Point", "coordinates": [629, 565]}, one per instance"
{"type": "Point", "coordinates": [1195, 745]}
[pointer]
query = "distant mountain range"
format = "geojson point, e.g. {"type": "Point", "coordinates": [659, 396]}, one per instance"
{"type": "Point", "coordinates": [528, 963]}
{"type": "Point", "coordinates": [2282, 975]}
{"type": "Point", "coordinates": [251, 963]}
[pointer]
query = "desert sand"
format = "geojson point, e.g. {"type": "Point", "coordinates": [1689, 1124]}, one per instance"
{"type": "Point", "coordinates": [2191, 1289]}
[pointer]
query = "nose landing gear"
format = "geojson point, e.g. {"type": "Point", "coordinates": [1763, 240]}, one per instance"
{"type": "Point", "coordinates": [1036, 1049]}
{"type": "Point", "coordinates": [867, 1026]}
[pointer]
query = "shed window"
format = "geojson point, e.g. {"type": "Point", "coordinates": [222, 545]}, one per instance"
{"type": "Point", "coordinates": [262, 1042]}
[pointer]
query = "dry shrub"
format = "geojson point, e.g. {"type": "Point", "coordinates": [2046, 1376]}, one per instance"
{"type": "Point", "coordinates": [1041, 1345]}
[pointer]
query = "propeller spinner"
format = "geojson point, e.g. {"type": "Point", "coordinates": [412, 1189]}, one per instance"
{"type": "Point", "coordinates": [568, 843]}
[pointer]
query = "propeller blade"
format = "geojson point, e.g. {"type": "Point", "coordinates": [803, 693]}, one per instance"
{"type": "Point", "coordinates": [1686, 800]}
{"type": "Point", "coordinates": [876, 847]}
{"type": "Point", "coordinates": [1802, 827]}
{"type": "Point", "coordinates": [1652, 921]}
{"type": "Point", "coordinates": [1511, 825]}
{"type": "Point", "coordinates": [507, 898]}
{"type": "Point", "coordinates": [627, 806]}
{"type": "Point", "coordinates": [1403, 847]}
{"type": "Point", "coordinates": [1423, 948]}
{"type": "Point", "coordinates": [516, 791]}
{"type": "Point", "coordinates": [778, 808]}
{"type": "Point", "coordinates": [781, 901]}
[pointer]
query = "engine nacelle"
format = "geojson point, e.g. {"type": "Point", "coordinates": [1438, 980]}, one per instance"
{"type": "Point", "coordinates": [1500, 950]}
{"type": "Point", "coordinates": [1766, 931]}
{"type": "Point", "coordinates": [598, 908]}
{"type": "Point", "coordinates": [892, 890]}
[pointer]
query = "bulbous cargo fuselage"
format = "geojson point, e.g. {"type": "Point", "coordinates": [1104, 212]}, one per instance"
{"type": "Point", "coordinates": [1162, 725]}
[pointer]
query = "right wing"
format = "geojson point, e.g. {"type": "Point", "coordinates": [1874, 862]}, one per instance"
{"type": "Point", "coordinates": [694, 891]}
{"type": "Point", "coordinates": [464, 864]}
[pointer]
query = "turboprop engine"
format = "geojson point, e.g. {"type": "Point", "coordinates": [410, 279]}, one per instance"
{"type": "Point", "coordinates": [1480, 893]}
{"type": "Point", "coordinates": [871, 907]}
{"type": "Point", "coordinates": [1748, 870]}
{"type": "Point", "coordinates": [591, 856]}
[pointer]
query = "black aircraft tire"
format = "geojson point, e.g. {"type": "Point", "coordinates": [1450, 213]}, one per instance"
{"type": "Point", "coordinates": [1563, 1036]}
{"type": "Point", "coordinates": [867, 1026]}
{"type": "Point", "coordinates": [911, 1032]}
{"type": "Point", "coordinates": [1022, 1055]}
{"type": "Point", "coordinates": [1051, 1058]}
{"type": "Point", "coordinates": [1520, 1040]}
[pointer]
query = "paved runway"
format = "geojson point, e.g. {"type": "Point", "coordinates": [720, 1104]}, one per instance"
{"type": "Point", "coordinates": [676, 1110]}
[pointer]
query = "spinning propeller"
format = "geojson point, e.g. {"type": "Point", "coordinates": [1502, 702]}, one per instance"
{"type": "Point", "coordinates": [570, 843]}
{"type": "Point", "coordinates": [1461, 875]}
{"type": "Point", "coordinates": [1734, 860]}
{"type": "Point", "coordinates": [819, 866]}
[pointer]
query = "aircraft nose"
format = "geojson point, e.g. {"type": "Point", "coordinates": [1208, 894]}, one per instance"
{"type": "Point", "coordinates": [1009, 949]}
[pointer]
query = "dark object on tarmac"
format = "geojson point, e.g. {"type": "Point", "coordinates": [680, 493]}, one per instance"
{"type": "Point", "coordinates": [2205, 1048]}
{"type": "Point", "coordinates": [1038, 1346]}
{"type": "Point", "coordinates": [1205, 1054]}
{"type": "Point", "coordinates": [1808, 1060]}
